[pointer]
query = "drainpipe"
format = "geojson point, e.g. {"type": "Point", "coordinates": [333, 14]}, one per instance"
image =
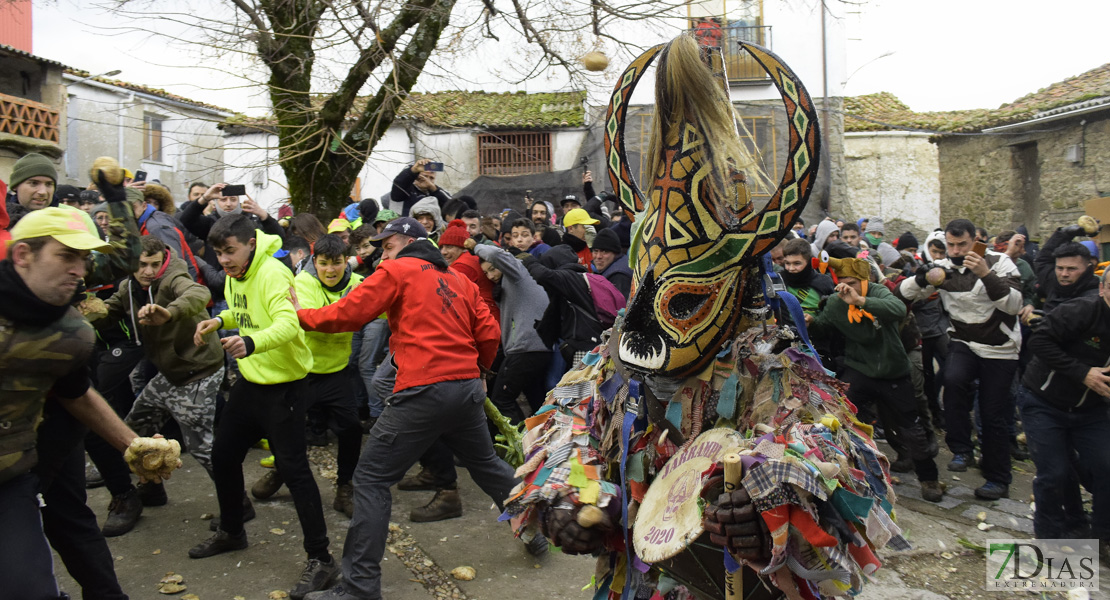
{"type": "Point", "coordinates": [826, 173]}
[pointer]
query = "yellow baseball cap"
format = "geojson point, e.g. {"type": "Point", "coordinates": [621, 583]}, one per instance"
{"type": "Point", "coordinates": [338, 225]}
{"type": "Point", "coordinates": [66, 225]}
{"type": "Point", "coordinates": [578, 216]}
{"type": "Point", "coordinates": [127, 174]}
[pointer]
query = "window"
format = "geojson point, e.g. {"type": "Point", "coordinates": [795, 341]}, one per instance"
{"type": "Point", "coordinates": [725, 23]}
{"type": "Point", "coordinates": [514, 153]}
{"type": "Point", "coordinates": [152, 138]}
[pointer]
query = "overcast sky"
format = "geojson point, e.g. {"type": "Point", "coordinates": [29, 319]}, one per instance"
{"type": "Point", "coordinates": [939, 54]}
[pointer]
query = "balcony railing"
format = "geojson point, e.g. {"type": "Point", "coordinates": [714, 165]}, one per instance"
{"type": "Point", "coordinates": [742, 69]}
{"type": "Point", "coordinates": [19, 116]}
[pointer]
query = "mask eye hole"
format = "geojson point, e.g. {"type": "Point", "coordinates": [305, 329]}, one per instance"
{"type": "Point", "coordinates": [685, 305]}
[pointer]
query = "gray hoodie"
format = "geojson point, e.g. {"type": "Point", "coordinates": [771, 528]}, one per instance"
{"type": "Point", "coordinates": [824, 230]}
{"type": "Point", "coordinates": [523, 302]}
{"type": "Point", "coordinates": [429, 205]}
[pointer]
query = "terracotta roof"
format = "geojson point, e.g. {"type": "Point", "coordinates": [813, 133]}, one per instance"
{"type": "Point", "coordinates": [14, 50]}
{"type": "Point", "coordinates": [146, 90]}
{"type": "Point", "coordinates": [509, 110]}
{"type": "Point", "coordinates": [881, 111]}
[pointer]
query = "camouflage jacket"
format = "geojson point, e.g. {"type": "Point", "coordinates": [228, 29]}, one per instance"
{"type": "Point", "coordinates": [32, 358]}
{"type": "Point", "coordinates": [123, 234]}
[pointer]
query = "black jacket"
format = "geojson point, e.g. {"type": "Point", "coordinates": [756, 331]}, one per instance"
{"type": "Point", "coordinates": [570, 315]}
{"type": "Point", "coordinates": [1045, 267]}
{"type": "Point", "coordinates": [404, 193]}
{"type": "Point", "coordinates": [1065, 345]}
{"type": "Point", "coordinates": [193, 218]}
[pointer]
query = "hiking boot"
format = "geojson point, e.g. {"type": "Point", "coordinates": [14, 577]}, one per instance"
{"type": "Point", "coordinates": [345, 499]}
{"type": "Point", "coordinates": [123, 513]}
{"type": "Point", "coordinates": [902, 465]}
{"type": "Point", "coordinates": [248, 514]}
{"type": "Point", "coordinates": [267, 485]}
{"type": "Point", "coordinates": [444, 505]}
{"type": "Point", "coordinates": [316, 438]}
{"type": "Point", "coordinates": [153, 494]}
{"type": "Point", "coordinates": [992, 491]}
{"type": "Point", "coordinates": [218, 544]}
{"type": "Point", "coordinates": [960, 462]}
{"type": "Point", "coordinates": [933, 491]}
{"type": "Point", "coordinates": [317, 575]}
{"type": "Point", "coordinates": [422, 481]}
{"type": "Point", "coordinates": [537, 546]}
{"type": "Point", "coordinates": [93, 478]}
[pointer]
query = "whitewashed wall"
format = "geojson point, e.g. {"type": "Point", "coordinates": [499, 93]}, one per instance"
{"type": "Point", "coordinates": [895, 175]}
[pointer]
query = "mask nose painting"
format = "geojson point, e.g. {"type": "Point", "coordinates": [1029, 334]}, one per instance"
{"type": "Point", "coordinates": [699, 233]}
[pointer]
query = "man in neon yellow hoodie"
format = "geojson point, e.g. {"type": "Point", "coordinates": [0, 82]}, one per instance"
{"type": "Point", "coordinates": [325, 280]}
{"type": "Point", "coordinates": [269, 399]}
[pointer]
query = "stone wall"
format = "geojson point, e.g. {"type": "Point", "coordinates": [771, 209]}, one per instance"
{"type": "Point", "coordinates": [895, 175]}
{"type": "Point", "coordinates": [1026, 177]}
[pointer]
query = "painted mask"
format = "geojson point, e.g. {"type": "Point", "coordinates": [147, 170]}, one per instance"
{"type": "Point", "coordinates": [698, 238]}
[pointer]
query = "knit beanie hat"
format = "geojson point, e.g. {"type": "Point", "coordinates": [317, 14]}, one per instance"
{"type": "Point", "coordinates": [455, 234]}
{"type": "Point", "coordinates": [607, 240]}
{"type": "Point", "coordinates": [906, 241]}
{"type": "Point", "coordinates": [32, 165]}
{"type": "Point", "coordinates": [875, 225]}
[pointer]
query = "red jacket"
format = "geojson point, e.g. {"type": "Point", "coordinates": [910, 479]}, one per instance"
{"type": "Point", "coordinates": [441, 330]}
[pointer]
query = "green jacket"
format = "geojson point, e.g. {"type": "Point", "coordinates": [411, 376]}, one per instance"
{"type": "Point", "coordinates": [259, 306]}
{"type": "Point", "coordinates": [170, 347]}
{"type": "Point", "coordinates": [330, 351]}
{"type": "Point", "coordinates": [873, 348]}
{"type": "Point", "coordinates": [123, 235]}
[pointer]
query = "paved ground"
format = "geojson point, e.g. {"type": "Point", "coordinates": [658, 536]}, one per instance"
{"type": "Point", "coordinates": [421, 555]}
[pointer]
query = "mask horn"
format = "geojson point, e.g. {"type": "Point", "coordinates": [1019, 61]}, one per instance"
{"type": "Point", "coordinates": [620, 176]}
{"type": "Point", "coordinates": [803, 152]}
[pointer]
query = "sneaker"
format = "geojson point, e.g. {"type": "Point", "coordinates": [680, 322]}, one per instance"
{"type": "Point", "coordinates": [336, 593]}
{"type": "Point", "coordinates": [992, 491]}
{"type": "Point", "coordinates": [153, 494]}
{"type": "Point", "coordinates": [960, 462]}
{"type": "Point", "coordinates": [263, 444]}
{"type": "Point", "coordinates": [902, 465]}
{"type": "Point", "coordinates": [444, 505]}
{"type": "Point", "coordinates": [422, 481]}
{"type": "Point", "coordinates": [248, 514]}
{"type": "Point", "coordinates": [317, 575]}
{"type": "Point", "coordinates": [93, 478]}
{"type": "Point", "coordinates": [933, 491]}
{"type": "Point", "coordinates": [218, 544]}
{"type": "Point", "coordinates": [537, 546]}
{"type": "Point", "coordinates": [267, 485]}
{"type": "Point", "coordinates": [267, 462]}
{"type": "Point", "coordinates": [345, 499]}
{"type": "Point", "coordinates": [316, 438]}
{"type": "Point", "coordinates": [123, 513]}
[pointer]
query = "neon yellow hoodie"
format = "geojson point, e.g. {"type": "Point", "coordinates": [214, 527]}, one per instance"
{"type": "Point", "coordinates": [330, 351]}
{"type": "Point", "coordinates": [260, 308]}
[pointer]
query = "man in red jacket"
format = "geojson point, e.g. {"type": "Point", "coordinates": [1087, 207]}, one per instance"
{"type": "Point", "coordinates": [439, 393]}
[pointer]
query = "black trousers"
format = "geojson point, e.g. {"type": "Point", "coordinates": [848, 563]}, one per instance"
{"type": "Point", "coordinates": [333, 402]}
{"type": "Point", "coordinates": [26, 567]}
{"type": "Point", "coordinates": [277, 413]}
{"type": "Point", "coordinates": [996, 406]}
{"type": "Point", "coordinates": [69, 524]}
{"type": "Point", "coordinates": [520, 373]}
{"type": "Point", "coordinates": [934, 348]}
{"type": "Point", "coordinates": [896, 404]}
{"type": "Point", "coordinates": [113, 374]}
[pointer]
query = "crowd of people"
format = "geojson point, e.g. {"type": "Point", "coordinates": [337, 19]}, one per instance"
{"type": "Point", "coordinates": [216, 323]}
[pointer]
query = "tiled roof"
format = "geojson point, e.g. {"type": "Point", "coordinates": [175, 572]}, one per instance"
{"type": "Point", "coordinates": [878, 112]}
{"type": "Point", "coordinates": [509, 110]}
{"type": "Point", "coordinates": [14, 50]}
{"type": "Point", "coordinates": [146, 90]}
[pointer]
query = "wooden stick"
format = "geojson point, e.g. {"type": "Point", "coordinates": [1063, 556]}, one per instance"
{"type": "Point", "coordinates": [734, 582]}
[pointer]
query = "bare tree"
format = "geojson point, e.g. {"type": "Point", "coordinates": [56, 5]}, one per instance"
{"type": "Point", "coordinates": [337, 71]}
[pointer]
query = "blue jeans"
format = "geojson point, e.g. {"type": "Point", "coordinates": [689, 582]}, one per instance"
{"type": "Point", "coordinates": [1055, 436]}
{"type": "Point", "coordinates": [374, 347]}
{"type": "Point", "coordinates": [996, 405]}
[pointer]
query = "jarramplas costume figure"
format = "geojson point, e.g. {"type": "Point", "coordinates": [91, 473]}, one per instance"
{"type": "Point", "coordinates": [702, 450]}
